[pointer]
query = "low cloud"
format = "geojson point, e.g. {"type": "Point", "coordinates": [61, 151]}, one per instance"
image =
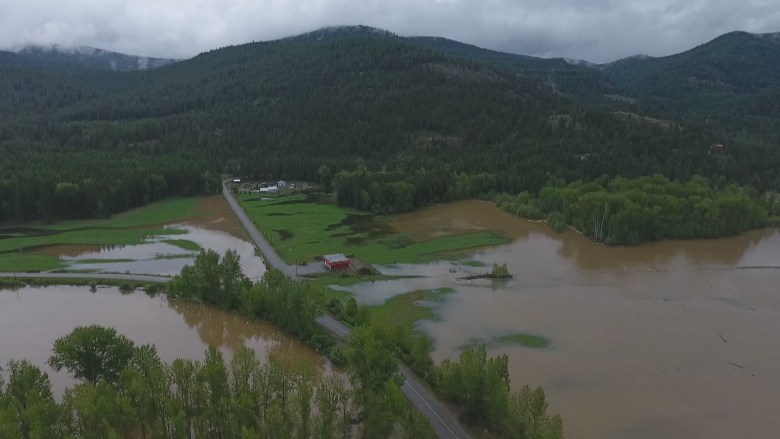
{"type": "Point", "coordinates": [594, 30]}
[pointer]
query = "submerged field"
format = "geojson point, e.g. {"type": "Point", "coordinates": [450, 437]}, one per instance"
{"type": "Point", "coordinates": [301, 227]}
{"type": "Point", "coordinates": [141, 240]}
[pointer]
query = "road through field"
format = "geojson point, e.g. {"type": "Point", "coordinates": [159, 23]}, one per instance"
{"type": "Point", "coordinates": [445, 424]}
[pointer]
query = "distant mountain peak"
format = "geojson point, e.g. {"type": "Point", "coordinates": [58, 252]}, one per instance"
{"type": "Point", "coordinates": [85, 57]}
{"type": "Point", "coordinates": [345, 31]}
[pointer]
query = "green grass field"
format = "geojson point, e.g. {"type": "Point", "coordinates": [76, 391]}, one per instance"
{"type": "Point", "coordinates": [185, 244]}
{"type": "Point", "coordinates": [161, 212]}
{"type": "Point", "coordinates": [301, 229]}
{"type": "Point", "coordinates": [405, 309]}
{"type": "Point", "coordinates": [130, 228]}
{"type": "Point", "coordinates": [26, 262]}
{"type": "Point", "coordinates": [323, 281]}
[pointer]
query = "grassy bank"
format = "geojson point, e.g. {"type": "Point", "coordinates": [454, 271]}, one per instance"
{"type": "Point", "coordinates": [323, 282]}
{"type": "Point", "coordinates": [27, 262]}
{"type": "Point", "coordinates": [300, 228]}
{"type": "Point", "coordinates": [21, 281]}
{"type": "Point", "coordinates": [406, 309]}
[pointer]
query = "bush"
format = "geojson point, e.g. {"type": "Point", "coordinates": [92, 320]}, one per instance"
{"type": "Point", "coordinates": [528, 212]}
{"type": "Point", "coordinates": [337, 356]}
{"type": "Point", "coordinates": [151, 289]}
{"type": "Point", "coordinates": [126, 287]}
{"type": "Point", "coordinates": [557, 221]}
{"type": "Point", "coordinates": [335, 307]}
{"type": "Point", "coordinates": [321, 342]}
{"type": "Point", "coordinates": [500, 271]}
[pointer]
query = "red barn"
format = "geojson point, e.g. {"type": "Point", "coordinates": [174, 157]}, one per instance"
{"type": "Point", "coordinates": [336, 262]}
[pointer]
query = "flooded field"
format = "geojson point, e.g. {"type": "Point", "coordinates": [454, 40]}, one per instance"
{"type": "Point", "coordinates": [31, 319]}
{"type": "Point", "coordinates": [166, 255]}
{"type": "Point", "coordinates": [674, 339]}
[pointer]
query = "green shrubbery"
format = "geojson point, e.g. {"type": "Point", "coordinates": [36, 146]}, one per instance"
{"type": "Point", "coordinates": [626, 212]}
{"type": "Point", "coordinates": [500, 272]}
{"type": "Point", "coordinates": [557, 221]}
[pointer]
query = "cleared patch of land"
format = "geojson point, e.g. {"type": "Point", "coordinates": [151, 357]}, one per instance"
{"type": "Point", "coordinates": [300, 228]}
{"type": "Point", "coordinates": [161, 212]}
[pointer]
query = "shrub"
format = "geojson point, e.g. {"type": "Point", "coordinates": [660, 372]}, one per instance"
{"type": "Point", "coordinates": [337, 356]}
{"type": "Point", "coordinates": [557, 221]}
{"type": "Point", "coordinates": [500, 271]}
{"type": "Point", "coordinates": [528, 212]}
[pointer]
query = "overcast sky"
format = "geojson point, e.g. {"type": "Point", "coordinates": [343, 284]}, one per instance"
{"type": "Point", "coordinates": [594, 30]}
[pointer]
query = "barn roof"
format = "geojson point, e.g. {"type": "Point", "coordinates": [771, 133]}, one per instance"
{"type": "Point", "coordinates": [338, 257]}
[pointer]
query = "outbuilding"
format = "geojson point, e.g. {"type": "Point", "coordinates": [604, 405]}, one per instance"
{"type": "Point", "coordinates": [281, 184]}
{"type": "Point", "coordinates": [336, 262]}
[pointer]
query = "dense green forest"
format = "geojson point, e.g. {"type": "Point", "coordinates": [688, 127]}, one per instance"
{"type": "Point", "coordinates": [406, 109]}
{"type": "Point", "coordinates": [623, 211]}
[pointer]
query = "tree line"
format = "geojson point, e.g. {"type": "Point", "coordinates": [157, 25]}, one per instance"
{"type": "Point", "coordinates": [126, 391]}
{"type": "Point", "coordinates": [625, 211]}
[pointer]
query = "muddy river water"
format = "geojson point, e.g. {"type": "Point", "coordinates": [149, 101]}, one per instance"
{"type": "Point", "coordinates": [31, 319]}
{"type": "Point", "coordinates": [675, 339]}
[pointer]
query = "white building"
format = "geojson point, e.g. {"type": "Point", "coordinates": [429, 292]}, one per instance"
{"type": "Point", "coordinates": [282, 184]}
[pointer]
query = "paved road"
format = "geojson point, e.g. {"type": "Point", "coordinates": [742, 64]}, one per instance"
{"type": "Point", "coordinates": [446, 425]}
{"type": "Point", "coordinates": [129, 277]}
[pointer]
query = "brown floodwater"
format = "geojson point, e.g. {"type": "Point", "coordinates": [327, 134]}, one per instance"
{"type": "Point", "coordinates": [31, 319]}
{"type": "Point", "coordinates": [636, 332]}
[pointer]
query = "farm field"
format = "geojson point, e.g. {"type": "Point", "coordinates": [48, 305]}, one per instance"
{"type": "Point", "coordinates": [142, 233]}
{"type": "Point", "coordinates": [301, 227]}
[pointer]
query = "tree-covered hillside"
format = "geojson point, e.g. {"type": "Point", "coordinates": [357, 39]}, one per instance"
{"type": "Point", "coordinates": [82, 58]}
{"type": "Point", "coordinates": [286, 108]}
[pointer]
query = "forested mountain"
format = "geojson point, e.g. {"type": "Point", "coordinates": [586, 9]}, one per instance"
{"type": "Point", "coordinates": [737, 62]}
{"type": "Point", "coordinates": [385, 110]}
{"type": "Point", "coordinates": [84, 57]}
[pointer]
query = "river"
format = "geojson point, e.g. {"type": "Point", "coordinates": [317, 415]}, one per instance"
{"type": "Point", "coordinates": [668, 340]}
{"type": "Point", "coordinates": [31, 319]}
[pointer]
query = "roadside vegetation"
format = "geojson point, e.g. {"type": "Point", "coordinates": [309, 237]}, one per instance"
{"type": "Point", "coordinates": [624, 211]}
{"type": "Point", "coordinates": [300, 228]}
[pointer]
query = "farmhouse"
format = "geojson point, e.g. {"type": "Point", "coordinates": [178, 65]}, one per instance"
{"type": "Point", "coordinates": [336, 262]}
